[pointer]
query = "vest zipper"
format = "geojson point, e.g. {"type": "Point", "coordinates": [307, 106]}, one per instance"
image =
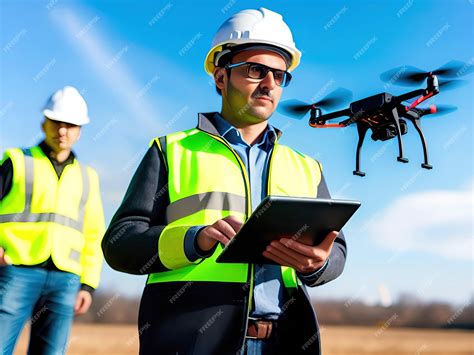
{"type": "Point", "coordinates": [250, 280]}
{"type": "Point", "coordinates": [269, 170]}
{"type": "Point", "coordinates": [51, 168]}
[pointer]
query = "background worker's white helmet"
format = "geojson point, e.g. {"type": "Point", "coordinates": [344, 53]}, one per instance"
{"type": "Point", "coordinates": [252, 27]}
{"type": "Point", "coordinates": [67, 105]}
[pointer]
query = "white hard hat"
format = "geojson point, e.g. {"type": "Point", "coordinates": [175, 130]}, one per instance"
{"type": "Point", "coordinates": [67, 105]}
{"type": "Point", "coordinates": [252, 26]}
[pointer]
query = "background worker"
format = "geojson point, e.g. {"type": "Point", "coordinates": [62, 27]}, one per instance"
{"type": "Point", "coordinates": [190, 196]}
{"type": "Point", "coordinates": [51, 225]}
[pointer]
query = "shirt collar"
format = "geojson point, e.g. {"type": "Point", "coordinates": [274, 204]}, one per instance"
{"type": "Point", "coordinates": [206, 124]}
{"type": "Point", "coordinates": [233, 135]}
{"type": "Point", "coordinates": [214, 123]}
{"type": "Point", "coordinates": [224, 128]}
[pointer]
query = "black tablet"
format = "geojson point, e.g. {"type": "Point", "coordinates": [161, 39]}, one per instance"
{"type": "Point", "coordinates": [295, 217]}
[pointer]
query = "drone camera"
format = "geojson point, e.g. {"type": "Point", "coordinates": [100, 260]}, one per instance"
{"type": "Point", "coordinates": [388, 131]}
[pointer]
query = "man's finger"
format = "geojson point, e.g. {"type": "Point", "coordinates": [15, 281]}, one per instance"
{"type": "Point", "coordinates": [4, 258]}
{"type": "Point", "coordinates": [234, 222]}
{"type": "Point", "coordinates": [218, 235]}
{"type": "Point", "coordinates": [225, 228]}
{"type": "Point", "coordinates": [78, 303]}
{"type": "Point", "coordinates": [301, 248]}
{"type": "Point", "coordinates": [276, 259]}
{"type": "Point", "coordinates": [297, 260]}
{"type": "Point", "coordinates": [290, 255]}
{"type": "Point", "coordinates": [82, 307]}
{"type": "Point", "coordinates": [328, 241]}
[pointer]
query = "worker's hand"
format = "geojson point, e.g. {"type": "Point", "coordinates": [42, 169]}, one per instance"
{"type": "Point", "coordinates": [83, 302]}
{"type": "Point", "coordinates": [299, 255]}
{"type": "Point", "coordinates": [222, 231]}
{"type": "Point", "coordinates": [4, 258]}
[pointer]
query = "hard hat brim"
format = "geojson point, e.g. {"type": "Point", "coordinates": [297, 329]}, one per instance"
{"type": "Point", "coordinates": [66, 118]}
{"type": "Point", "coordinates": [209, 64]}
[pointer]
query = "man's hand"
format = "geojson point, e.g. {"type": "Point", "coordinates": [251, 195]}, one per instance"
{"type": "Point", "coordinates": [4, 258]}
{"type": "Point", "coordinates": [83, 302]}
{"type": "Point", "coordinates": [302, 257]}
{"type": "Point", "coordinates": [222, 231]}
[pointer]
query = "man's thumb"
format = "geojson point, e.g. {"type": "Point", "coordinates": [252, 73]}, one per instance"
{"type": "Point", "coordinates": [3, 255]}
{"type": "Point", "coordinates": [7, 259]}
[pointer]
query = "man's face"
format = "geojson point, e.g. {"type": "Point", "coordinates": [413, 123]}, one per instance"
{"type": "Point", "coordinates": [60, 135]}
{"type": "Point", "coordinates": [251, 100]}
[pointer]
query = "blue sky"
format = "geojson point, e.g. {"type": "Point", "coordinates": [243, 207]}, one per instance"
{"type": "Point", "coordinates": [139, 66]}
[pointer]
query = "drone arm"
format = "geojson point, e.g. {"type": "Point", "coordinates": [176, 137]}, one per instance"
{"type": "Point", "coordinates": [411, 95]}
{"type": "Point", "coordinates": [420, 100]}
{"type": "Point", "coordinates": [323, 118]}
{"type": "Point", "coordinates": [425, 95]}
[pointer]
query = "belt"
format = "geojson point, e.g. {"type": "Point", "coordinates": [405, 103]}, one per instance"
{"type": "Point", "coordinates": [260, 328]}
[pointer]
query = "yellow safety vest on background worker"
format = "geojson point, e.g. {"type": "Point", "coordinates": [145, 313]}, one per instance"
{"type": "Point", "coordinates": [45, 216]}
{"type": "Point", "coordinates": [207, 181]}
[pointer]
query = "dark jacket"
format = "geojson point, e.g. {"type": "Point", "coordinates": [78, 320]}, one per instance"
{"type": "Point", "coordinates": [197, 317]}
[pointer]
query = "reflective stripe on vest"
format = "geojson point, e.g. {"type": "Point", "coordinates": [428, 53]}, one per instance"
{"type": "Point", "coordinates": [213, 200]}
{"type": "Point", "coordinates": [207, 181]}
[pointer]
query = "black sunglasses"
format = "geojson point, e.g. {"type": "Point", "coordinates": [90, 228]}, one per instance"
{"type": "Point", "coordinates": [260, 71]}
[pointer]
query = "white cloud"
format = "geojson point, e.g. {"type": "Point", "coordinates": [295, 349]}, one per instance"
{"type": "Point", "coordinates": [437, 222]}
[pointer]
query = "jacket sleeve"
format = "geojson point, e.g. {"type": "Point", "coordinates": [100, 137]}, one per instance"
{"type": "Point", "coordinates": [138, 241]}
{"type": "Point", "coordinates": [6, 176]}
{"type": "Point", "coordinates": [94, 227]}
{"type": "Point", "coordinates": [335, 263]}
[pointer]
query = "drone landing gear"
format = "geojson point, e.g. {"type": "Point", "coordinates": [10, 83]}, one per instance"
{"type": "Point", "coordinates": [358, 173]}
{"type": "Point", "coordinates": [361, 130]}
{"type": "Point", "coordinates": [415, 119]}
{"type": "Point", "coordinates": [396, 120]}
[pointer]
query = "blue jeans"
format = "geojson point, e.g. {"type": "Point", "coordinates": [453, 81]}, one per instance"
{"type": "Point", "coordinates": [46, 297]}
{"type": "Point", "coordinates": [261, 347]}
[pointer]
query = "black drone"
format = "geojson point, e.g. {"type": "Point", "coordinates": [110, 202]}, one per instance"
{"type": "Point", "coordinates": [385, 113]}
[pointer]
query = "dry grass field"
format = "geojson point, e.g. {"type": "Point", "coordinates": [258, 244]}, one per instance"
{"type": "Point", "coordinates": [123, 339]}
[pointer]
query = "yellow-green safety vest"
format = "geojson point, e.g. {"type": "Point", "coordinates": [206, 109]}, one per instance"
{"type": "Point", "coordinates": [207, 181]}
{"type": "Point", "coordinates": [43, 216]}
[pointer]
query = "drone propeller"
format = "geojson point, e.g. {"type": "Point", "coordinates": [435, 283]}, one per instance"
{"type": "Point", "coordinates": [408, 75]}
{"type": "Point", "coordinates": [437, 110]}
{"type": "Point", "coordinates": [294, 108]}
{"type": "Point", "coordinates": [298, 109]}
{"type": "Point", "coordinates": [443, 109]}
{"type": "Point", "coordinates": [452, 84]}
